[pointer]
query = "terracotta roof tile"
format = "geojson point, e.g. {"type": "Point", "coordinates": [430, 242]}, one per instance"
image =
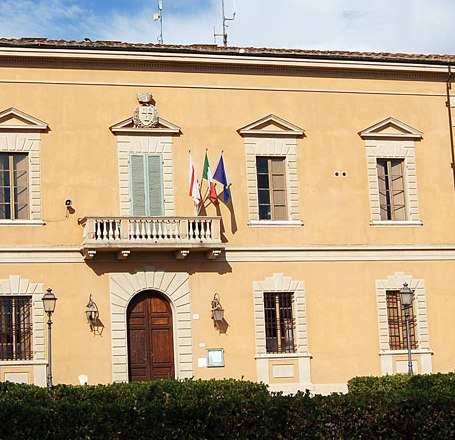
{"type": "Point", "coordinates": [230, 50]}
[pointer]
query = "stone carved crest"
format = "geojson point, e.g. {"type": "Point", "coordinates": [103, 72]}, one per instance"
{"type": "Point", "coordinates": [146, 114]}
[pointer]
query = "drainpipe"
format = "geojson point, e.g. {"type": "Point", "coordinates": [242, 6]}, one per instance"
{"type": "Point", "coordinates": [449, 112]}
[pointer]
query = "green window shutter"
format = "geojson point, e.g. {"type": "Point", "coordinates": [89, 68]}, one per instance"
{"type": "Point", "coordinates": [155, 185]}
{"type": "Point", "coordinates": [137, 184]}
{"type": "Point", "coordinates": [146, 184]}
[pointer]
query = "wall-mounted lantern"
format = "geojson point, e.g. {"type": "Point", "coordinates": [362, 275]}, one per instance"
{"type": "Point", "coordinates": [217, 309]}
{"type": "Point", "coordinates": [92, 313]}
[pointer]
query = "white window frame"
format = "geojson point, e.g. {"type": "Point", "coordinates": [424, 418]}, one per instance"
{"type": "Point", "coordinates": [272, 136]}
{"type": "Point", "coordinates": [21, 133]}
{"type": "Point", "coordinates": [15, 286]}
{"type": "Point", "coordinates": [392, 139]}
{"type": "Point", "coordinates": [422, 352]}
{"type": "Point", "coordinates": [275, 284]}
{"type": "Point", "coordinates": [157, 140]}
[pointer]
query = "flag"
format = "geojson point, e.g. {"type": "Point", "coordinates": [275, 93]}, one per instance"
{"type": "Point", "coordinates": [207, 175]}
{"type": "Point", "coordinates": [220, 176]}
{"type": "Point", "coordinates": [194, 185]}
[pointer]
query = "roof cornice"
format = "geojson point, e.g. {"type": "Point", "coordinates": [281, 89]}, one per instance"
{"type": "Point", "coordinates": [213, 55]}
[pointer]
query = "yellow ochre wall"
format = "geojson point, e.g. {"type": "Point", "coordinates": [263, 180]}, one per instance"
{"type": "Point", "coordinates": [79, 161]}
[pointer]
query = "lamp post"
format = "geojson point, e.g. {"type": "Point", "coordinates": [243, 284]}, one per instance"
{"type": "Point", "coordinates": [407, 296]}
{"type": "Point", "coordinates": [49, 300]}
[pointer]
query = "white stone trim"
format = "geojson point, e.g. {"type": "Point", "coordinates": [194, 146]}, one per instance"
{"type": "Point", "coordinates": [72, 254]}
{"type": "Point", "coordinates": [275, 223]}
{"type": "Point", "coordinates": [392, 139]}
{"type": "Point", "coordinates": [30, 143]}
{"type": "Point", "coordinates": [395, 282]}
{"type": "Point", "coordinates": [7, 222]}
{"type": "Point", "coordinates": [15, 285]}
{"type": "Point", "coordinates": [279, 127]}
{"type": "Point", "coordinates": [145, 144]}
{"type": "Point", "coordinates": [282, 142]}
{"type": "Point", "coordinates": [175, 286]}
{"type": "Point", "coordinates": [280, 283]}
{"type": "Point", "coordinates": [395, 223]}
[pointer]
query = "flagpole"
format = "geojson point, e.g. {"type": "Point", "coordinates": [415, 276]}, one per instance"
{"type": "Point", "coordinates": [194, 192]}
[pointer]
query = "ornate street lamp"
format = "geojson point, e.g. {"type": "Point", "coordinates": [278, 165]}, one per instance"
{"type": "Point", "coordinates": [407, 296]}
{"type": "Point", "coordinates": [49, 301]}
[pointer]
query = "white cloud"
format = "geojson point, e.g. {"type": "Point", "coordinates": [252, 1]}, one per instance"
{"type": "Point", "coordinates": [25, 18]}
{"type": "Point", "coordinates": [418, 26]}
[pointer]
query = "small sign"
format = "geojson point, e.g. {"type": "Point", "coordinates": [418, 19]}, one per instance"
{"type": "Point", "coordinates": [215, 357]}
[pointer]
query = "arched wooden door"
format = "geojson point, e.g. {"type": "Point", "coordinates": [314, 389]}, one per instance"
{"type": "Point", "coordinates": [150, 337]}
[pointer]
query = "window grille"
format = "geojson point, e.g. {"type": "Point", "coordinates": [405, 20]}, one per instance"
{"type": "Point", "coordinates": [397, 323]}
{"type": "Point", "coordinates": [15, 328]}
{"type": "Point", "coordinates": [279, 322]}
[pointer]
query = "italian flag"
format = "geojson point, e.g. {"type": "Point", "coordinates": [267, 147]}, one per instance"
{"type": "Point", "coordinates": [207, 175]}
{"type": "Point", "coordinates": [194, 185]}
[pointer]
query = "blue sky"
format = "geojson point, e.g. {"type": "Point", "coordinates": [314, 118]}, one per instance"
{"type": "Point", "coordinates": [412, 26]}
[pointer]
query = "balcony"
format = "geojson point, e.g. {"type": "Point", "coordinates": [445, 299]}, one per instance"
{"type": "Point", "coordinates": [123, 235]}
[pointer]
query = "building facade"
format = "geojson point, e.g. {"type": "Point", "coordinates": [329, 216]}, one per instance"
{"type": "Point", "coordinates": [339, 191]}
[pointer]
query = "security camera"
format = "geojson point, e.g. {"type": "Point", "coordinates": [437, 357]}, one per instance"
{"type": "Point", "coordinates": [68, 203]}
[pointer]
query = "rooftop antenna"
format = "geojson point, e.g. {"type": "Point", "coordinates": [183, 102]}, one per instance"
{"type": "Point", "coordinates": [159, 16]}
{"type": "Point", "coordinates": [225, 26]}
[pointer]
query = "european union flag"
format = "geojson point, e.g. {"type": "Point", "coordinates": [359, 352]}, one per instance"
{"type": "Point", "coordinates": [220, 176]}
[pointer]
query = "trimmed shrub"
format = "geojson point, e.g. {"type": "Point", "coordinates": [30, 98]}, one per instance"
{"type": "Point", "coordinates": [391, 407]}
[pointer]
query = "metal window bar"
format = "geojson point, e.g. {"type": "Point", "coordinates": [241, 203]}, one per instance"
{"type": "Point", "coordinates": [397, 323]}
{"type": "Point", "coordinates": [279, 322]}
{"type": "Point", "coordinates": [15, 328]}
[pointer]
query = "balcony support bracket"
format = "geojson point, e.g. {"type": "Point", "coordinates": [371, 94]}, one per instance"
{"type": "Point", "coordinates": [89, 254]}
{"type": "Point", "coordinates": [123, 254]}
{"type": "Point", "coordinates": [213, 254]}
{"type": "Point", "coordinates": [182, 254]}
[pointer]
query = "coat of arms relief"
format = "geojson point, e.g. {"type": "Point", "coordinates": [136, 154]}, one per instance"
{"type": "Point", "coordinates": [146, 114]}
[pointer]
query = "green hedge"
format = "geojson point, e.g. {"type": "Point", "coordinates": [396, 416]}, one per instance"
{"type": "Point", "coordinates": [392, 407]}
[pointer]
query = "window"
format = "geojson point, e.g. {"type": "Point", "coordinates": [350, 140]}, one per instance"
{"type": "Point", "coordinates": [15, 328]}
{"type": "Point", "coordinates": [271, 181]}
{"type": "Point", "coordinates": [390, 147]}
{"type": "Point", "coordinates": [391, 189]}
{"type": "Point", "coordinates": [397, 323]}
{"type": "Point", "coordinates": [279, 322]}
{"type": "Point", "coordinates": [147, 184]}
{"type": "Point", "coordinates": [14, 186]}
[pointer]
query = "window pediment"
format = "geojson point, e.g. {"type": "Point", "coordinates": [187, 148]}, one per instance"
{"type": "Point", "coordinates": [390, 128]}
{"type": "Point", "coordinates": [163, 127]}
{"type": "Point", "coordinates": [13, 119]}
{"type": "Point", "coordinates": [271, 125]}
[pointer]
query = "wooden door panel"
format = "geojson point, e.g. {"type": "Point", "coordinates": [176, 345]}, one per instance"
{"type": "Point", "coordinates": [163, 373]}
{"type": "Point", "coordinates": [150, 338]}
{"type": "Point", "coordinates": [162, 320]}
{"type": "Point", "coordinates": [162, 346]}
{"type": "Point", "coordinates": [157, 305]}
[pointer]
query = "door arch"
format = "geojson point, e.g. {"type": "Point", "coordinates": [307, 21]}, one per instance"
{"type": "Point", "coordinates": [150, 337]}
